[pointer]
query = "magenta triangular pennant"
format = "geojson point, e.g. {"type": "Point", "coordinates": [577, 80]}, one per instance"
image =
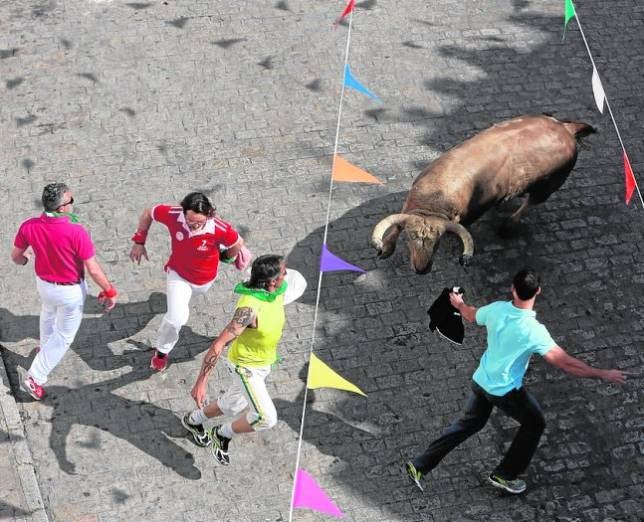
{"type": "Point", "coordinates": [307, 494]}
{"type": "Point", "coordinates": [331, 263]}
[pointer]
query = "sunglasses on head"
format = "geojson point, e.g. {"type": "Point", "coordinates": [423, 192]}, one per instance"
{"type": "Point", "coordinates": [70, 202]}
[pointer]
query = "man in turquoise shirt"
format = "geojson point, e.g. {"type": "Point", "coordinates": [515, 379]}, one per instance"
{"type": "Point", "coordinates": [513, 335]}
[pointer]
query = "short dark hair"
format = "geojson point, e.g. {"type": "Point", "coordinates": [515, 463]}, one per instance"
{"type": "Point", "coordinates": [199, 203]}
{"type": "Point", "coordinates": [265, 268]}
{"type": "Point", "coordinates": [53, 196]}
{"type": "Point", "coordinates": [526, 283]}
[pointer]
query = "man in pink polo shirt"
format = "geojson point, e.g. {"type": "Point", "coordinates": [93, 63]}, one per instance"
{"type": "Point", "coordinates": [197, 236]}
{"type": "Point", "coordinates": [63, 252]}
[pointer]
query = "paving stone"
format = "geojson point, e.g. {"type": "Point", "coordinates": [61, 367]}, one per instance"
{"type": "Point", "coordinates": [135, 103]}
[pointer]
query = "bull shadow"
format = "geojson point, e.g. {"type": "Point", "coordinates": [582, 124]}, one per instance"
{"type": "Point", "coordinates": [146, 426]}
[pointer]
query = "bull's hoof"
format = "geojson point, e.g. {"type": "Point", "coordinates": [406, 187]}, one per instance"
{"type": "Point", "coordinates": [465, 260]}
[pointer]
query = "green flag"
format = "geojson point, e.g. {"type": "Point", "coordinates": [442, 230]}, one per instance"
{"type": "Point", "coordinates": [569, 12]}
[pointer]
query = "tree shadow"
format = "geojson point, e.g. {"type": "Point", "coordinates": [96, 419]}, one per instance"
{"type": "Point", "coordinates": [375, 334]}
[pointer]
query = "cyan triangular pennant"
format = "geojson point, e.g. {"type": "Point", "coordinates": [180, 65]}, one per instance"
{"type": "Point", "coordinates": [350, 81]}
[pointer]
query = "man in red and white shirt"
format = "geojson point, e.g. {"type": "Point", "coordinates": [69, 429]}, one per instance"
{"type": "Point", "coordinates": [198, 237]}
{"type": "Point", "coordinates": [64, 253]}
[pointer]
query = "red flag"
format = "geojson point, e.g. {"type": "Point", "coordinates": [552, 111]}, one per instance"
{"type": "Point", "coordinates": [347, 10]}
{"type": "Point", "coordinates": [630, 179]}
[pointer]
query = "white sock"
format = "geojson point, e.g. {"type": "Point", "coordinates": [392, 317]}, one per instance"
{"type": "Point", "coordinates": [226, 430]}
{"type": "Point", "coordinates": [198, 417]}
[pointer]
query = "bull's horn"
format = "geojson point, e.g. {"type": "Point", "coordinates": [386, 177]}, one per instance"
{"type": "Point", "coordinates": [384, 225]}
{"type": "Point", "coordinates": [466, 238]}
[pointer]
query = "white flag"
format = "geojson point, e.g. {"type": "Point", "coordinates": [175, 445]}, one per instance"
{"type": "Point", "coordinates": [598, 91]}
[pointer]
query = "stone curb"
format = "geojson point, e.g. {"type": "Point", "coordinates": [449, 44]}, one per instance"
{"type": "Point", "coordinates": [22, 454]}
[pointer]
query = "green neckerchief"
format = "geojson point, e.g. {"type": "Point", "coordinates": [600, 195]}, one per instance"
{"type": "Point", "coordinates": [73, 218]}
{"type": "Point", "coordinates": [260, 293]}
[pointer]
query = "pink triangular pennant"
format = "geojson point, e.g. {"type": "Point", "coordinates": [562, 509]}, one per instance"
{"type": "Point", "coordinates": [307, 494]}
{"type": "Point", "coordinates": [629, 179]}
{"type": "Point", "coordinates": [331, 263]}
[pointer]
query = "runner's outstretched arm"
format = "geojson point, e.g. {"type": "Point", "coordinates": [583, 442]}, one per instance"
{"type": "Point", "coordinates": [558, 357]}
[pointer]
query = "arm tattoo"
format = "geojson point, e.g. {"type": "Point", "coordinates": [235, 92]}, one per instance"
{"type": "Point", "coordinates": [243, 316]}
{"type": "Point", "coordinates": [209, 363]}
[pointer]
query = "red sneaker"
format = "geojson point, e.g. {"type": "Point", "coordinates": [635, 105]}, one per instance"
{"type": "Point", "coordinates": [159, 361]}
{"type": "Point", "coordinates": [33, 388]}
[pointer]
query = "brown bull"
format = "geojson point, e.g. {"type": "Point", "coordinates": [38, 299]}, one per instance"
{"type": "Point", "coordinates": [530, 155]}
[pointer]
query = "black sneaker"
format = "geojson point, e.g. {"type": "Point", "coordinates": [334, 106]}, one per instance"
{"type": "Point", "coordinates": [515, 486]}
{"type": "Point", "coordinates": [201, 436]}
{"type": "Point", "coordinates": [414, 474]}
{"type": "Point", "coordinates": [219, 447]}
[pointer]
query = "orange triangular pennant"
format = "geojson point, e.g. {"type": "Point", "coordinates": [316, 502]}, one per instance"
{"type": "Point", "coordinates": [345, 171]}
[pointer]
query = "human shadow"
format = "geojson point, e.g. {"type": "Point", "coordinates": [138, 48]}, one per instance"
{"type": "Point", "coordinates": [10, 511]}
{"type": "Point", "coordinates": [148, 427]}
{"type": "Point", "coordinates": [318, 424]}
{"type": "Point", "coordinates": [5, 437]}
{"type": "Point", "coordinates": [95, 333]}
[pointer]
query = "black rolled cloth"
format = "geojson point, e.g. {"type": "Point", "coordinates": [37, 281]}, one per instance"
{"type": "Point", "coordinates": [446, 319]}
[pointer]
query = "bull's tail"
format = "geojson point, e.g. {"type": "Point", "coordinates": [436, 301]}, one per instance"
{"type": "Point", "coordinates": [579, 129]}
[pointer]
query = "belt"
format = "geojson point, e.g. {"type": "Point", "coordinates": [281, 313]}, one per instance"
{"type": "Point", "coordinates": [59, 283]}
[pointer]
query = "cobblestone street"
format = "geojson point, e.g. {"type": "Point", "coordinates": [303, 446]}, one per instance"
{"type": "Point", "coordinates": [138, 103]}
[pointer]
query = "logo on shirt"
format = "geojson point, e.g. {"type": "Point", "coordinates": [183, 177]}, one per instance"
{"type": "Point", "coordinates": [179, 236]}
{"type": "Point", "coordinates": [203, 246]}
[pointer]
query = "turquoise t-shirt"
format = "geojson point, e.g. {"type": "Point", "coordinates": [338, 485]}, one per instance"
{"type": "Point", "coordinates": [513, 335]}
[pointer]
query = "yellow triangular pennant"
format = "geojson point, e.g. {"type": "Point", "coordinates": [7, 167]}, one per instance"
{"type": "Point", "coordinates": [345, 171]}
{"type": "Point", "coordinates": [321, 376]}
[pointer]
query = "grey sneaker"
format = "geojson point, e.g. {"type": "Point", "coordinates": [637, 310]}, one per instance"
{"type": "Point", "coordinates": [219, 447]}
{"type": "Point", "coordinates": [414, 474]}
{"type": "Point", "coordinates": [515, 486]}
{"type": "Point", "coordinates": [201, 436]}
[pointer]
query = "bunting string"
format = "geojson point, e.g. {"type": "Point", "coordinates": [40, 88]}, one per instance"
{"type": "Point", "coordinates": [570, 11]}
{"type": "Point", "coordinates": [296, 474]}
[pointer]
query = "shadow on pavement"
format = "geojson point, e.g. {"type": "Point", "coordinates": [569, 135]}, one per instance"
{"type": "Point", "coordinates": [144, 425]}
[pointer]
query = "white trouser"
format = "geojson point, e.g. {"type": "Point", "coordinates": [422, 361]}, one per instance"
{"type": "Point", "coordinates": [249, 390]}
{"type": "Point", "coordinates": [178, 295]}
{"type": "Point", "coordinates": [60, 317]}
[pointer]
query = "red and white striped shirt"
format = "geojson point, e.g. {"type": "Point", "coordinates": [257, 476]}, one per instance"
{"type": "Point", "coordinates": [195, 254]}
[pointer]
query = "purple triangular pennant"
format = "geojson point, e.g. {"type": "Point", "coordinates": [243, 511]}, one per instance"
{"type": "Point", "coordinates": [331, 263]}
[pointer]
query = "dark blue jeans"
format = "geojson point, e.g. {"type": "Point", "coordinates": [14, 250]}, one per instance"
{"type": "Point", "coordinates": [518, 404]}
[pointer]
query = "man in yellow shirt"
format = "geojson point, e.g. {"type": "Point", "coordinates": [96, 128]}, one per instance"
{"type": "Point", "coordinates": [253, 335]}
